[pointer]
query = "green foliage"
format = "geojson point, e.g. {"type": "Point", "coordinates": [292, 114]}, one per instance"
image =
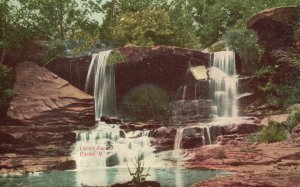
{"type": "Point", "coordinates": [138, 177]}
{"type": "Point", "coordinates": [116, 58]}
{"type": "Point", "coordinates": [281, 89]}
{"type": "Point", "coordinates": [214, 18]}
{"type": "Point", "coordinates": [252, 138]}
{"type": "Point", "coordinates": [245, 44]}
{"type": "Point", "coordinates": [274, 132]}
{"type": "Point", "coordinates": [148, 23]}
{"type": "Point", "coordinates": [55, 50]}
{"type": "Point", "coordinates": [147, 102]}
{"type": "Point", "coordinates": [265, 71]}
{"type": "Point", "coordinates": [6, 91]}
{"type": "Point", "coordinates": [146, 28]}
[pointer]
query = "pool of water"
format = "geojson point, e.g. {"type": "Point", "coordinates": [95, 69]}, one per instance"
{"type": "Point", "coordinates": [167, 177]}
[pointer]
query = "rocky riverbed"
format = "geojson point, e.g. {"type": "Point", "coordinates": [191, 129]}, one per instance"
{"type": "Point", "coordinates": [254, 164]}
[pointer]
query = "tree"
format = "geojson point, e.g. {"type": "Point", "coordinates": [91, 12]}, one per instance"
{"type": "Point", "coordinates": [12, 29]}
{"type": "Point", "coordinates": [170, 23]}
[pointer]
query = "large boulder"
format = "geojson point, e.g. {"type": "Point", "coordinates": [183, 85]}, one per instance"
{"type": "Point", "coordinates": [49, 110]}
{"type": "Point", "coordinates": [42, 98]}
{"type": "Point", "coordinates": [275, 26]}
{"type": "Point", "coordinates": [280, 118]}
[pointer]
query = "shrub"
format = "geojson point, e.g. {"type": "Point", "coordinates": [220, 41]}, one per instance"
{"type": "Point", "coordinates": [274, 132]}
{"type": "Point", "coordinates": [116, 57]}
{"type": "Point", "coordinates": [138, 177]}
{"type": "Point", "coordinates": [6, 91]}
{"type": "Point", "coordinates": [147, 102]}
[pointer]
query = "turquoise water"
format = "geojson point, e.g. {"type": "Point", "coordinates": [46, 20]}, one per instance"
{"type": "Point", "coordinates": [168, 177]}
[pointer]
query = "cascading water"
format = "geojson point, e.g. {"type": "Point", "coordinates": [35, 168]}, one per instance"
{"type": "Point", "coordinates": [178, 138]}
{"type": "Point", "coordinates": [101, 81]}
{"type": "Point", "coordinates": [108, 145]}
{"type": "Point", "coordinates": [224, 84]}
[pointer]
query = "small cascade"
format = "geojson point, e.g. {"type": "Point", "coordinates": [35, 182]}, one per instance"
{"type": "Point", "coordinates": [183, 93]}
{"type": "Point", "coordinates": [108, 146]}
{"type": "Point", "coordinates": [178, 138]}
{"type": "Point", "coordinates": [208, 134]}
{"type": "Point", "coordinates": [224, 84]}
{"type": "Point", "coordinates": [101, 82]}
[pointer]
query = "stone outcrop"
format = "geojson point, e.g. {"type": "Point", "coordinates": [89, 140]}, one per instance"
{"type": "Point", "coordinates": [164, 66]}
{"type": "Point", "coordinates": [163, 138]}
{"type": "Point", "coordinates": [49, 110]}
{"type": "Point", "coordinates": [280, 118]}
{"type": "Point", "coordinates": [30, 50]}
{"type": "Point", "coordinates": [74, 69]}
{"type": "Point", "coordinates": [275, 27]}
{"type": "Point", "coordinates": [42, 98]}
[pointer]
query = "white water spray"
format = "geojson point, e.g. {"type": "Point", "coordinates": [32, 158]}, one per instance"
{"type": "Point", "coordinates": [224, 84]}
{"type": "Point", "coordinates": [101, 80]}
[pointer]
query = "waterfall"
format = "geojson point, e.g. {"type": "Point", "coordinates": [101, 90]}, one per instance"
{"type": "Point", "coordinates": [224, 84]}
{"type": "Point", "coordinates": [178, 138]}
{"type": "Point", "coordinates": [101, 81]}
{"type": "Point", "coordinates": [108, 146]}
{"type": "Point", "coordinates": [183, 93]}
{"type": "Point", "coordinates": [208, 134]}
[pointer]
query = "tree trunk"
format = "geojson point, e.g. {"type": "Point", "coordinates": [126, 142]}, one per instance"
{"type": "Point", "coordinates": [61, 20]}
{"type": "Point", "coordinates": [2, 56]}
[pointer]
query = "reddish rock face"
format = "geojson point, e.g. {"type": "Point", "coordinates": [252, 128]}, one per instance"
{"type": "Point", "coordinates": [164, 66]}
{"type": "Point", "coordinates": [74, 69]}
{"type": "Point", "coordinates": [275, 26]}
{"type": "Point", "coordinates": [42, 98]}
{"type": "Point", "coordinates": [49, 109]}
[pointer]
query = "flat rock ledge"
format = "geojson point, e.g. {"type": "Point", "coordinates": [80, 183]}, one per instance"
{"type": "Point", "coordinates": [275, 164]}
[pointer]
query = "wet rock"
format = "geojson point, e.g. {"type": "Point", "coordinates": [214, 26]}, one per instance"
{"type": "Point", "coordinates": [111, 120]}
{"type": "Point", "coordinates": [163, 138]}
{"type": "Point", "coordinates": [112, 160]}
{"type": "Point", "coordinates": [192, 137]}
{"type": "Point", "coordinates": [193, 111]}
{"type": "Point", "coordinates": [69, 137]}
{"type": "Point", "coordinates": [163, 132]}
{"type": "Point", "coordinates": [64, 165]}
{"type": "Point", "coordinates": [133, 126]}
{"type": "Point", "coordinates": [245, 128]}
{"type": "Point", "coordinates": [72, 69]}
